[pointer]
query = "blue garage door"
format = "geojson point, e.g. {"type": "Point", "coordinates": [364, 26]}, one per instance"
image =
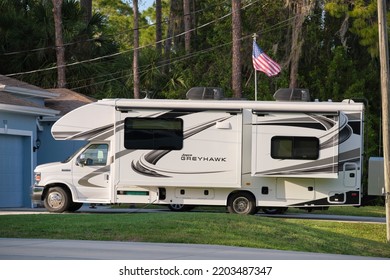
{"type": "Point", "coordinates": [12, 170]}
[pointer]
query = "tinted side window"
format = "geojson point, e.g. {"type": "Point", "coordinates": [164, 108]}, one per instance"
{"type": "Point", "coordinates": [153, 134]}
{"type": "Point", "coordinates": [287, 147]}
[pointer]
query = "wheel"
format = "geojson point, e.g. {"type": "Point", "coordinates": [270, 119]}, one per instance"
{"type": "Point", "coordinates": [242, 203]}
{"type": "Point", "coordinates": [180, 207]}
{"type": "Point", "coordinates": [74, 206]}
{"type": "Point", "coordinates": [57, 200]}
{"type": "Point", "coordinates": [274, 210]}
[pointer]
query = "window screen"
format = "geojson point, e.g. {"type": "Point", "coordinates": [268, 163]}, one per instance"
{"type": "Point", "coordinates": [153, 134]}
{"type": "Point", "coordinates": [287, 147]}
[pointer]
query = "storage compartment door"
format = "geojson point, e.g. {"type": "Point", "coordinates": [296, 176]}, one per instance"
{"type": "Point", "coordinates": [295, 189]}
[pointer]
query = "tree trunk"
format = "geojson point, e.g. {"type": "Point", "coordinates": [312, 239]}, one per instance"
{"type": "Point", "coordinates": [236, 59]}
{"type": "Point", "coordinates": [176, 23]}
{"type": "Point", "coordinates": [136, 51]}
{"type": "Point", "coordinates": [170, 34]}
{"type": "Point", "coordinates": [194, 32]}
{"type": "Point", "coordinates": [158, 28]}
{"type": "Point", "coordinates": [86, 6]}
{"type": "Point", "coordinates": [300, 9]}
{"type": "Point", "coordinates": [187, 25]}
{"type": "Point", "coordinates": [60, 49]}
{"type": "Point", "coordinates": [296, 43]}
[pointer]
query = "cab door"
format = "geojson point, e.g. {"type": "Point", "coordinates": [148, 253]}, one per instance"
{"type": "Point", "coordinates": [91, 173]}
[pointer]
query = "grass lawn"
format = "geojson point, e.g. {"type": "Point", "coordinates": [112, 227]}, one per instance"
{"type": "Point", "coordinates": [205, 228]}
{"type": "Point", "coordinates": [368, 211]}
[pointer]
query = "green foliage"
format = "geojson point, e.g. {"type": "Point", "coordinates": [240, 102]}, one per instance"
{"type": "Point", "coordinates": [27, 44]}
{"type": "Point", "coordinates": [339, 57]}
{"type": "Point", "coordinates": [363, 17]}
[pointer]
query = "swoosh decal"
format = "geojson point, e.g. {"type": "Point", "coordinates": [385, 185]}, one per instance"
{"type": "Point", "coordinates": [84, 181]}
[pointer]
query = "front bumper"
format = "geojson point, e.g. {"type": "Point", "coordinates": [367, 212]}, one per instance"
{"type": "Point", "coordinates": [36, 194]}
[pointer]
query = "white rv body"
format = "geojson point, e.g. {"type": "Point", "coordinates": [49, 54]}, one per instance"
{"type": "Point", "coordinates": [275, 154]}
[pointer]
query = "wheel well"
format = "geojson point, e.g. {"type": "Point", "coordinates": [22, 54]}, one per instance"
{"type": "Point", "coordinates": [61, 185]}
{"type": "Point", "coordinates": [240, 191]}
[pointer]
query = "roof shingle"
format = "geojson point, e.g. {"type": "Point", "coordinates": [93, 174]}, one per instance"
{"type": "Point", "coordinates": [66, 101]}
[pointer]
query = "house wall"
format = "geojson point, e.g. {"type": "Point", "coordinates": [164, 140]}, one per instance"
{"type": "Point", "coordinates": [52, 150]}
{"type": "Point", "coordinates": [18, 135]}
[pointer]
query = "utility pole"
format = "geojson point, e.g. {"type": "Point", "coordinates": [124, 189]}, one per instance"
{"type": "Point", "coordinates": [384, 64]}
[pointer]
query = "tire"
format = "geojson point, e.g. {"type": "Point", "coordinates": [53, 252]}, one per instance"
{"type": "Point", "coordinates": [180, 207]}
{"type": "Point", "coordinates": [57, 200]}
{"type": "Point", "coordinates": [242, 203]}
{"type": "Point", "coordinates": [274, 210]}
{"type": "Point", "coordinates": [74, 206]}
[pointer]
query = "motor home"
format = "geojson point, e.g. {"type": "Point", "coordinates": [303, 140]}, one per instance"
{"type": "Point", "coordinates": [245, 155]}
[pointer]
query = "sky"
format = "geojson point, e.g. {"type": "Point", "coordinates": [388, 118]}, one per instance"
{"type": "Point", "coordinates": [144, 4]}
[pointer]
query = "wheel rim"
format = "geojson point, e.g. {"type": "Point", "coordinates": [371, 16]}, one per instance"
{"type": "Point", "coordinates": [177, 206]}
{"type": "Point", "coordinates": [55, 200]}
{"type": "Point", "coordinates": [241, 205]}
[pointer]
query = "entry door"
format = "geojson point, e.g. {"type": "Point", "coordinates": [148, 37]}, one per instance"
{"type": "Point", "coordinates": [91, 173]}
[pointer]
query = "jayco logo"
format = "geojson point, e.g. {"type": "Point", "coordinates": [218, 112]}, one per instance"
{"type": "Point", "coordinates": [191, 157]}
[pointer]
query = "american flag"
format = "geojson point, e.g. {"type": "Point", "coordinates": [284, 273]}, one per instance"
{"type": "Point", "coordinates": [262, 62]}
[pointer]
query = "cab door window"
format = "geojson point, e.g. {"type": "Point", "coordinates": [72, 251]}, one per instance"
{"type": "Point", "coordinates": [94, 155]}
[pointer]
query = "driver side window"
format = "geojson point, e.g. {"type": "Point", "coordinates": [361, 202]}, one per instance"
{"type": "Point", "coordinates": [94, 155]}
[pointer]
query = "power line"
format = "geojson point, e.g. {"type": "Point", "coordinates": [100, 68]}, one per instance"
{"type": "Point", "coordinates": [191, 55]}
{"type": "Point", "coordinates": [160, 65]}
{"type": "Point", "coordinates": [96, 39]}
{"type": "Point", "coordinates": [172, 60]}
{"type": "Point", "coordinates": [119, 53]}
{"type": "Point", "coordinates": [164, 63]}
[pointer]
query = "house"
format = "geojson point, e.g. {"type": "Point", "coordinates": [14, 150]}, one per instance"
{"type": "Point", "coordinates": [27, 113]}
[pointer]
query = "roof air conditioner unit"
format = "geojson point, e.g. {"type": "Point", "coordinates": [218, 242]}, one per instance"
{"type": "Point", "coordinates": [292, 94]}
{"type": "Point", "coordinates": [201, 93]}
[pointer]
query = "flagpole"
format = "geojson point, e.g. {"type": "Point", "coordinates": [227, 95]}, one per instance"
{"type": "Point", "coordinates": [255, 85]}
{"type": "Point", "coordinates": [254, 39]}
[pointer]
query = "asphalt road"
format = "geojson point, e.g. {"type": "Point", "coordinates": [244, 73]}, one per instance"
{"type": "Point", "coordinates": [108, 209]}
{"type": "Point", "coordinates": [49, 249]}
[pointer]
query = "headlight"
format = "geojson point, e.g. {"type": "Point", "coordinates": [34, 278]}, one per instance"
{"type": "Point", "coordinates": [37, 176]}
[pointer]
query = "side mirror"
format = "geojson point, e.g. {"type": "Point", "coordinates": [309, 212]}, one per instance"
{"type": "Point", "coordinates": [81, 160]}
